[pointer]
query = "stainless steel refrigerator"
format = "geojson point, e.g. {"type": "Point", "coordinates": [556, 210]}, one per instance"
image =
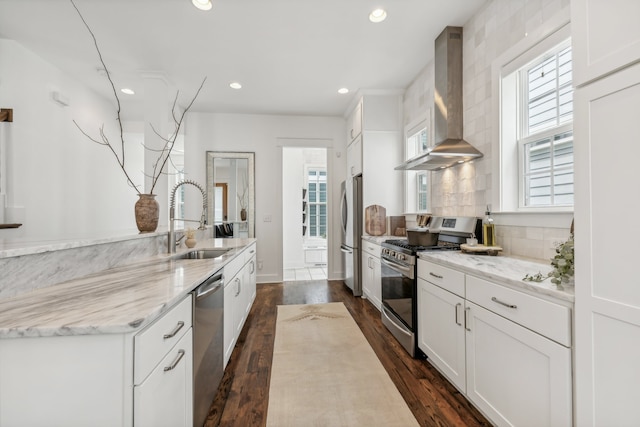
{"type": "Point", "coordinates": [351, 213]}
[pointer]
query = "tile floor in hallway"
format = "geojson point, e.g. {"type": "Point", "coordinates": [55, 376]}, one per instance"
{"type": "Point", "coordinates": [306, 273]}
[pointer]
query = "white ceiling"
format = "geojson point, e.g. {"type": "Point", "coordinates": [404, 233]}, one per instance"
{"type": "Point", "coordinates": [291, 56]}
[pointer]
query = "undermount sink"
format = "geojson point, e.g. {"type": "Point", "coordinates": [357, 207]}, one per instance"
{"type": "Point", "coordinates": [201, 254]}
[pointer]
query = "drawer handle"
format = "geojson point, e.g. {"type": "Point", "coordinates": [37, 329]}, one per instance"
{"type": "Point", "coordinates": [435, 275]}
{"type": "Point", "coordinates": [175, 331]}
{"type": "Point", "coordinates": [457, 321]}
{"type": "Point", "coordinates": [466, 318]}
{"type": "Point", "coordinates": [494, 299]}
{"type": "Point", "coordinates": [175, 362]}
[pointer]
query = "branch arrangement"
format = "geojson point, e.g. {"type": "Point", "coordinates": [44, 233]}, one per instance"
{"type": "Point", "coordinates": [164, 154]}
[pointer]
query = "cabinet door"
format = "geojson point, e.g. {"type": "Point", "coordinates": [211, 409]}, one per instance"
{"type": "Point", "coordinates": [441, 334]}
{"type": "Point", "coordinates": [367, 277]}
{"type": "Point", "coordinates": [376, 282]}
{"type": "Point", "coordinates": [354, 157]}
{"type": "Point", "coordinates": [165, 398]}
{"type": "Point", "coordinates": [515, 376]}
{"type": "Point", "coordinates": [354, 123]}
{"type": "Point", "coordinates": [238, 304]}
{"type": "Point", "coordinates": [606, 37]}
{"type": "Point", "coordinates": [607, 314]}
{"type": "Point", "coordinates": [229, 328]}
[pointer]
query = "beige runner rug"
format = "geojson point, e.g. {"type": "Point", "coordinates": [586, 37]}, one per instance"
{"type": "Point", "coordinates": [325, 373]}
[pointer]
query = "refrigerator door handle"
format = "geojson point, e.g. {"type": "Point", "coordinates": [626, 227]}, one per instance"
{"type": "Point", "coordinates": [346, 249]}
{"type": "Point", "coordinates": [343, 211]}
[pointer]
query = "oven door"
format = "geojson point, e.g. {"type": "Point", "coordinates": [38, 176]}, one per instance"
{"type": "Point", "coordinates": [398, 290]}
{"type": "Point", "coordinates": [398, 303]}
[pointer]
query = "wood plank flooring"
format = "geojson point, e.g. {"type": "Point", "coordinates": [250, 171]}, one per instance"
{"type": "Point", "coordinates": [242, 398]}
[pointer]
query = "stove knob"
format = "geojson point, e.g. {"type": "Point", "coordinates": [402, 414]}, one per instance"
{"type": "Point", "coordinates": [401, 257]}
{"type": "Point", "coordinates": [392, 253]}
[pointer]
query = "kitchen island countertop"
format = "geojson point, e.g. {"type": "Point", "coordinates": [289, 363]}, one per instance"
{"type": "Point", "coordinates": [117, 300]}
{"type": "Point", "coordinates": [503, 270]}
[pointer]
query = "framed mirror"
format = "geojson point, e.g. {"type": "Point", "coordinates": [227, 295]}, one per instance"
{"type": "Point", "coordinates": [231, 193]}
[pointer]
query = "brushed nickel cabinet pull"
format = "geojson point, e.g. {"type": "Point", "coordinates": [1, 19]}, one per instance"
{"type": "Point", "coordinates": [435, 275]}
{"type": "Point", "coordinates": [457, 321]}
{"type": "Point", "coordinates": [175, 331]}
{"type": "Point", "coordinates": [466, 318]}
{"type": "Point", "coordinates": [175, 362]}
{"type": "Point", "coordinates": [496, 300]}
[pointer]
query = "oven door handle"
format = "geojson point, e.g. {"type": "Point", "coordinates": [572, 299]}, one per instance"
{"type": "Point", "coordinates": [407, 271]}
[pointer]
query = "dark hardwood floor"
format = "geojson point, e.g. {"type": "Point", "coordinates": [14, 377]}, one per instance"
{"type": "Point", "coordinates": [243, 396]}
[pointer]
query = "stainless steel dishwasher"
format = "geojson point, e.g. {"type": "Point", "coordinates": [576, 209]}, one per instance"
{"type": "Point", "coordinates": [208, 344]}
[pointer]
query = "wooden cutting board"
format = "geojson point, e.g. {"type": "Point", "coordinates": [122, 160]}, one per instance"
{"type": "Point", "coordinates": [480, 249]}
{"type": "Point", "coordinates": [397, 226]}
{"type": "Point", "coordinates": [375, 220]}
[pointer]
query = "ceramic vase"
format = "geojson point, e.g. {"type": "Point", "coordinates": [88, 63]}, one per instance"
{"type": "Point", "coordinates": [243, 214]}
{"type": "Point", "coordinates": [147, 213]}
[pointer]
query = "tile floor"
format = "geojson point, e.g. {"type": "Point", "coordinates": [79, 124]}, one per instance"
{"type": "Point", "coordinates": [306, 273]}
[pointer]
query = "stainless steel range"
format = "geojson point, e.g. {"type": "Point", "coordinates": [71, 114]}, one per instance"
{"type": "Point", "coordinates": [399, 275]}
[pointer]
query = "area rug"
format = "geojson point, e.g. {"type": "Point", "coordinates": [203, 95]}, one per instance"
{"type": "Point", "coordinates": [325, 373]}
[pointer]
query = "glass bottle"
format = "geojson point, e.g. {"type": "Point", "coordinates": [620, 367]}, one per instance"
{"type": "Point", "coordinates": [488, 229]}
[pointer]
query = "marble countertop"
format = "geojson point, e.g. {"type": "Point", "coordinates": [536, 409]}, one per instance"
{"type": "Point", "coordinates": [379, 239]}
{"type": "Point", "coordinates": [118, 300]}
{"type": "Point", "coordinates": [503, 270]}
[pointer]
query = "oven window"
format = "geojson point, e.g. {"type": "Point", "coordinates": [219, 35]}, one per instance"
{"type": "Point", "coordinates": [398, 294]}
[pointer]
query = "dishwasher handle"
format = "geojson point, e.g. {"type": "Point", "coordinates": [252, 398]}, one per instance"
{"type": "Point", "coordinates": [212, 284]}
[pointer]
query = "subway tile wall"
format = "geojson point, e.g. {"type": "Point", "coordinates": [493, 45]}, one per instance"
{"type": "Point", "coordinates": [465, 190]}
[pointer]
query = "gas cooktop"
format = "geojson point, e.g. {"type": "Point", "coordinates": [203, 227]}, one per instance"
{"type": "Point", "coordinates": [441, 246]}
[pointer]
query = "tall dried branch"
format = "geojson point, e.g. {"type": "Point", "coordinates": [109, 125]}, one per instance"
{"type": "Point", "coordinates": [164, 152]}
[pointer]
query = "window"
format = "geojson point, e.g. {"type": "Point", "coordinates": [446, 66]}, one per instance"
{"type": "Point", "coordinates": [417, 182]}
{"type": "Point", "coordinates": [533, 87]}
{"type": "Point", "coordinates": [317, 192]}
{"type": "Point", "coordinates": [546, 130]}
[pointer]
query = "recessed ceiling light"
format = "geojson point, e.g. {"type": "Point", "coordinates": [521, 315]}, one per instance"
{"type": "Point", "coordinates": [343, 90]}
{"type": "Point", "coordinates": [202, 4]}
{"type": "Point", "coordinates": [378, 15]}
{"type": "Point", "coordinates": [127, 91]}
{"type": "Point", "coordinates": [235, 85]}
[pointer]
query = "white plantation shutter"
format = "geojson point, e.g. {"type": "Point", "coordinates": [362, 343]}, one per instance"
{"type": "Point", "coordinates": [546, 142]}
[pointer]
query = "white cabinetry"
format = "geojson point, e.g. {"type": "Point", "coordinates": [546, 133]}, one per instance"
{"type": "Point", "coordinates": [606, 37]}
{"type": "Point", "coordinates": [508, 351]}
{"type": "Point", "coordinates": [371, 273]}
{"type": "Point", "coordinates": [165, 397]}
{"type": "Point", "coordinates": [239, 294]}
{"type": "Point", "coordinates": [376, 150]}
{"type": "Point", "coordinates": [354, 157]}
{"type": "Point", "coordinates": [354, 123]}
{"type": "Point", "coordinates": [607, 295]}
{"type": "Point", "coordinates": [101, 380]}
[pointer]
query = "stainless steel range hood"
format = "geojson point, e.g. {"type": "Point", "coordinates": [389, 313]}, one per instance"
{"type": "Point", "coordinates": [450, 148]}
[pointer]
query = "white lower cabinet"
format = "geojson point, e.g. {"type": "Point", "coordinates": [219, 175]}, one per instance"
{"type": "Point", "coordinates": [165, 397]}
{"type": "Point", "coordinates": [441, 334]}
{"type": "Point", "coordinates": [239, 294]}
{"type": "Point", "coordinates": [516, 375]}
{"type": "Point", "coordinates": [372, 273]}
{"type": "Point", "coordinates": [103, 379]}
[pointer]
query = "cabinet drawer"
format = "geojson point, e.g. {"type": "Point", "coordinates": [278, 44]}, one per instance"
{"type": "Point", "coordinates": [249, 253]}
{"type": "Point", "coordinates": [152, 344]}
{"type": "Point", "coordinates": [371, 248]}
{"type": "Point", "coordinates": [233, 267]}
{"type": "Point", "coordinates": [446, 278]}
{"type": "Point", "coordinates": [544, 317]}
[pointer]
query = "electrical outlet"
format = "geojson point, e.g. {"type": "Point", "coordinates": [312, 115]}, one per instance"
{"type": "Point", "coordinates": [259, 265]}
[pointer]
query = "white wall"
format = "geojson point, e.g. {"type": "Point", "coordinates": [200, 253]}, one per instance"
{"type": "Point", "coordinates": [466, 190]}
{"type": "Point", "coordinates": [60, 184]}
{"type": "Point", "coordinates": [266, 135]}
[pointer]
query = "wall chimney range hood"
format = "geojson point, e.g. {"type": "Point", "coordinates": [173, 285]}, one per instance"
{"type": "Point", "coordinates": [450, 148]}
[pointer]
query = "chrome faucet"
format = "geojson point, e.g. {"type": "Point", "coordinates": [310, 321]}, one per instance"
{"type": "Point", "coordinates": [172, 208]}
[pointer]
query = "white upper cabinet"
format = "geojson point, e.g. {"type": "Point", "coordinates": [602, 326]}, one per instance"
{"type": "Point", "coordinates": [606, 37]}
{"type": "Point", "coordinates": [354, 123]}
